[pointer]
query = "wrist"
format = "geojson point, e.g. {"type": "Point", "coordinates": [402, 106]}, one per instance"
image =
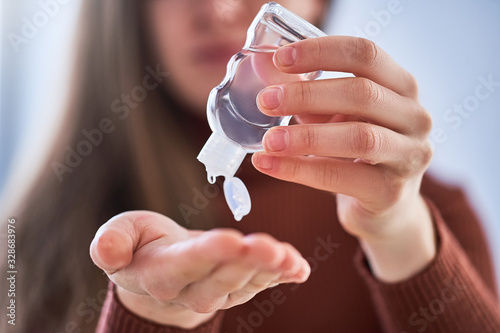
{"type": "Point", "coordinates": [163, 313]}
{"type": "Point", "coordinates": [405, 253]}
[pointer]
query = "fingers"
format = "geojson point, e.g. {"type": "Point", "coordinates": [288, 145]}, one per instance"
{"type": "Point", "coordinates": [354, 55]}
{"type": "Point", "coordinates": [262, 263]}
{"type": "Point", "coordinates": [354, 140]}
{"type": "Point", "coordinates": [374, 185]}
{"type": "Point", "coordinates": [261, 254]}
{"type": "Point", "coordinates": [168, 269]}
{"type": "Point", "coordinates": [354, 179]}
{"type": "Point", "coordinates": [371, 140]}
{"type": "Point", "coordinates": [358, 97]}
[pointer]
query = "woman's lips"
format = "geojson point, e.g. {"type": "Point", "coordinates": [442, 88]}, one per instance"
{"type": "Point", "coordinates": [214, 55]}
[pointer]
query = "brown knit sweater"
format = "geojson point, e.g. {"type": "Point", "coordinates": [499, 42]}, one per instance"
{"type": "Point", "coordinates": [455, 293]}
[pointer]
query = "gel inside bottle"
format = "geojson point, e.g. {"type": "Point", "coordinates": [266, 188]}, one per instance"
{"type": "Point", "coordinates": [238, 125]}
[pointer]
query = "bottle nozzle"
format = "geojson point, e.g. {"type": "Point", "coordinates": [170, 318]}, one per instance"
{"type": "Point", "coordinates": [211, 179]}
{"type": "Point", "coordinates": [222, 157]}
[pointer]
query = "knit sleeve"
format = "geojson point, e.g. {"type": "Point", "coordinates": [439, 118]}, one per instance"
{"type": "Point", "coordinates": [448, 296]}
{"type": "Point", "coordinates": [116, 318]}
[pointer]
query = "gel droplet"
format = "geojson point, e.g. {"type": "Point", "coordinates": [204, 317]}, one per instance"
{"type": "Point", "coordinates": [211, 178]}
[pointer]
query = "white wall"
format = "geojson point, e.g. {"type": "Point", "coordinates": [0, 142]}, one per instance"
{"type": "Point", "coordinates": [37, 38]}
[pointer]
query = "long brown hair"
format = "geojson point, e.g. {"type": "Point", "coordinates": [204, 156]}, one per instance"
{"type": "Point", "coordinates": [111, 156]}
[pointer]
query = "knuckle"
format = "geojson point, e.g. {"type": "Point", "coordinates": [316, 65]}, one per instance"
{"type": "Point", "coordinates": [417, 160]}
{"type": "Point", "coordinates": [328, 175]}
{"type": "Point", "coordinates": [412, 85]}
{"type": "Point", "coordinates": [367, 52]}
{"type": "Point", "coordinates": [317, 46]}
{"type": "Point", "coordinates": [428, 153]}
{"type": "Point", "coordinates": [425, 155]}
{"type": "Point", "coordinates": [394, 189]}
{"type": "Point", "coordinates": [367, 141]}
{"type": "Point", "coordinates": [303, 94]}
{"type": "Point", "coordinates": [364, 93]}
{"type": "Point", "coordinates": [309, 138]}
{"type": "Point", "coordinates": [296, 170]}
{"type": "Point", "coordinates": [411, 165]}
{"type": "Point", "coordinates": [426, 122]}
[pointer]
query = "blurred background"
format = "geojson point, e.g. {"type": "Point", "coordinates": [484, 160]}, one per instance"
{"type": "Point", "coordinates": [452, 48]}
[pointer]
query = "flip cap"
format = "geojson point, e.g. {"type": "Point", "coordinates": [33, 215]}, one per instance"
{"type": "Point", "coordinates": [237, 197]}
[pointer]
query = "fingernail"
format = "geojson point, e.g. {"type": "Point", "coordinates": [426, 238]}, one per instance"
{"type": "Point", "coordinates": [264, 161]}
{"type": "Point", "coordinates": [271, 97]}
{"type": "Point", "coordinates": [276, 140]}
{"type": "Point", "coordinates": [286, 56]}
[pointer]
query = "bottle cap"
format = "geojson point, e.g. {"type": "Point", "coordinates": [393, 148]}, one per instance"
{"type": "Point", "coordinates": [222, 157]}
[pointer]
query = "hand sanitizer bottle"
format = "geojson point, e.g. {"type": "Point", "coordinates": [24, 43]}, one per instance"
{"type": "Point", "coordinates": [236, 122]}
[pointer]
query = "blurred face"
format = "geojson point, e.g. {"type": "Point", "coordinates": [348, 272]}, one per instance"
{"type": "Point", "coordinates": [194, 39]}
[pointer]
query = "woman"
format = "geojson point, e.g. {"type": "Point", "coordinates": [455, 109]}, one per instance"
{"type": "Point", "coordinates": [145, 71]}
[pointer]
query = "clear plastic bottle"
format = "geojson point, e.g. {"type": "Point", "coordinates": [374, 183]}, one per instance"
{"type": "Point", "coordinates": [237, 124]}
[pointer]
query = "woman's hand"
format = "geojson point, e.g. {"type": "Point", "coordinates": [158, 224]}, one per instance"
{"type": "Point", "coordinates": [363, 138]}
{"type": "Point", "coordinates": [178, 277]}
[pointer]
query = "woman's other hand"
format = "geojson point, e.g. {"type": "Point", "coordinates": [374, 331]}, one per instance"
{"type": "Point", "coordinates": [364, 138]}
{"type": "Point", "coordinates": [178, 277]}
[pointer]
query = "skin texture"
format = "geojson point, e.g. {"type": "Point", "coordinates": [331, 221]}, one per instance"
{"type": "Point", "coordinates": [363, 138]}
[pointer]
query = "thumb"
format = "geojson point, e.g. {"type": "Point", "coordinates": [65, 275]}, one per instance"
{"type": "Point", "coordinates": [111, 248]}
{"type": "Point", "coordinates": [118, 239]}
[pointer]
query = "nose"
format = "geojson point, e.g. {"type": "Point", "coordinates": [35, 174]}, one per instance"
{"type": "Point", "coordinates": [223, 14]}
{"type": "Point", "coordinates": [228, 11]}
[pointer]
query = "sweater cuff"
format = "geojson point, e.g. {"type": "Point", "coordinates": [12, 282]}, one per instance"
{"type": "Point", "coordinates": [115, 317]}
{"type": "Point", "coordinates": [447, 296]}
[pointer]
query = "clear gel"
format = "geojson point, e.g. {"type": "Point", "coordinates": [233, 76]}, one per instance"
{"type": "Point", "coordinates": [238, 125]}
